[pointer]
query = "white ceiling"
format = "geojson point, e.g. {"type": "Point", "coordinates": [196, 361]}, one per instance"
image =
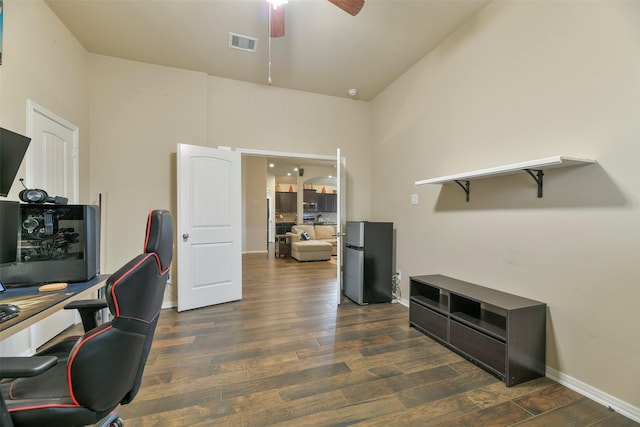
{"type": "Point", "coordinates": [284, 168]}
{"type": "Point", "coordinates": [324, 50]}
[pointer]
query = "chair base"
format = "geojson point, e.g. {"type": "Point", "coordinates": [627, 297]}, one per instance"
{"type": "Point", "coordinates": [111, 420]}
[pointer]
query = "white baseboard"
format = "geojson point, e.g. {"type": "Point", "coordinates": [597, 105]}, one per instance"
{"type": "Point", "coordinates": [612, 402]}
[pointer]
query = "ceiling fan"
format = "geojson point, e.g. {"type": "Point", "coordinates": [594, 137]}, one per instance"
{"type": "Point", "coordinates": [276, 13]}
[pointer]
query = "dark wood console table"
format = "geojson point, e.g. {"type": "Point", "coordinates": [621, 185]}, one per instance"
{"type": "Point", "coordinates": [502, 333]}
{"type": "Point", "coordinates": [283, 245]}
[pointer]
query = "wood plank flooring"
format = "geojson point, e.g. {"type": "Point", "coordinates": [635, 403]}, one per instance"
{"type": "Point", "coordinates": [286, 355]}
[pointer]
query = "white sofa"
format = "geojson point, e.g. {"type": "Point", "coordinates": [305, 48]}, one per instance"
{"type": "Point", "coordinates": [322, 243]}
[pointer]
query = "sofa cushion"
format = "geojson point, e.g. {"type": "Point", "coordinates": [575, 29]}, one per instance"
{"type": "Point", "coordinates": [313, 245]}
{"type": "Point", "coordinates": [325, 232]}
{"type": "Point", "coordinates": [309, 229]}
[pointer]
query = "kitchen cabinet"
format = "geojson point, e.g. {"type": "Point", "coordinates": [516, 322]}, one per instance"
{"type": "Point", "coordinates": [310, 201]}
{"type": "Point", "coordinates": [327, 202]}
{"type": "Point", "coordinates": [310, 196]}
{"type": "Point", "coordinates": [286, 202]}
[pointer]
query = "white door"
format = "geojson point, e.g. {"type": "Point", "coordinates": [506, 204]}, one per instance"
{"type": "Point", "coordinates": [340, 218]}
{"type": "Point", "coordinates": [52, 158]}
{"type": "Point", "coordinates": [209, 226]}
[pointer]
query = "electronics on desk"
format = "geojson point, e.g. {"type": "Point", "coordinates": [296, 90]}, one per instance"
{"type": "Point", "coordinates": [9, 225]}
{"type": "Point", "coordinates": [13, 147]}
{"type": "Point", "coordinates": [6, 316]}
{"type": "Point", "coordinates": [55, 243]}
{"type": "Point", "coordinates": [35, 195]}
{"type": "Point", "coordinates": [8, 311]}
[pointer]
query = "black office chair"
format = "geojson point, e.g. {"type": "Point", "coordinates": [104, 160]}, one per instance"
{"type": "Point", "coordinates": [103, 368]}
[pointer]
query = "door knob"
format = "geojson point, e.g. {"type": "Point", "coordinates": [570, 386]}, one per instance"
{"type": "Point", "coordinates": [185, 236]}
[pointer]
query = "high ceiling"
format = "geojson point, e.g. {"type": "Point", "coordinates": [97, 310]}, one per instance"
{"type": "Point", "coordinates": [324, 50]}
{"type": "Point", "coordinates": [286, 169]}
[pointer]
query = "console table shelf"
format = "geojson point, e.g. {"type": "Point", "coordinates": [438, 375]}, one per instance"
{"type": "Point", "coordinates": [534, 168]}
{"type": "Point", "coordinates": [441, 306]}
{"type": "Point", "coordinates": [500, 332]}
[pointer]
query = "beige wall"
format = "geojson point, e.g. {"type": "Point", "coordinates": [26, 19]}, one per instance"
{"type": "Point", "coordinates": [139, 113]}
{"type": "Point", "coordinates": [261, 117]}
{"type": "Point", "coordinates": [521, 81]}
{"type": "Point", "coordinates": [43, 62]}
{"type": "Point", "coordinates": [254, 189]}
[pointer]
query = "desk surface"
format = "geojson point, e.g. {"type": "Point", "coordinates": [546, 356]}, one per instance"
{"type": "Point", "coordinates": [35, 306]}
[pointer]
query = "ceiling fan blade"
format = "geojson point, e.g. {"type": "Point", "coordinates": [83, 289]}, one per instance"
{"type": "Point", "coordinates": [276, 15]}
{"type": "Point", "coordinates": [352, 7]}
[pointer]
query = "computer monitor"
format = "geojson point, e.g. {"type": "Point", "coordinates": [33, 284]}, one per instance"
{"type": "Point", "coordinates": [9, 231]}
{"type": "Point", "coordinates": [13, 147]}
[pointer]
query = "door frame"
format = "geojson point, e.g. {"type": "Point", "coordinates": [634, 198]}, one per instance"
{"type": "Point", "coordinates": [268, 153]}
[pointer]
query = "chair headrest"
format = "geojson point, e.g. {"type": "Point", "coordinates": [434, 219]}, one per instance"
{"type": "Point", "coordinates": [159, 239]}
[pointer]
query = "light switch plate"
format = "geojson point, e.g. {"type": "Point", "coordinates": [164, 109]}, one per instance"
{"type": "Point", "coordinates": [414, 199]}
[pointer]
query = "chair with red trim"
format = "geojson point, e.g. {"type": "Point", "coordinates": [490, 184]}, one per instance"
{"type": "Point", "coordinates": [102, 369]}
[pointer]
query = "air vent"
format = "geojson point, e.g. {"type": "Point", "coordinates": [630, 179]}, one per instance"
{"type": "Point", "coordinates": [237, 41]}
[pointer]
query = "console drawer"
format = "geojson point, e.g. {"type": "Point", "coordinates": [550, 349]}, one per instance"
{"type": "Point", "coordinates": [481, 347]}
{"type": "Point", "coordinates": [429, 320]}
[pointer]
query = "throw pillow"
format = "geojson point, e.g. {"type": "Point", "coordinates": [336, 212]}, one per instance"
{"type": "Point", "coordinates": [304, 236]}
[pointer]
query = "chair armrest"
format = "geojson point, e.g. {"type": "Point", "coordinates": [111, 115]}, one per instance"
{"type": "Point", "coordinates": [20, 367]}
{"type": "Point", "coordinates": [88, 308]}
{"type": "Point", "coordinates": [96, 304]}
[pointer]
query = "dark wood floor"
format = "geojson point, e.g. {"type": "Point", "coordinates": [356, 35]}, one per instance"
{"type": "Point", "coordinates": [285, 355]}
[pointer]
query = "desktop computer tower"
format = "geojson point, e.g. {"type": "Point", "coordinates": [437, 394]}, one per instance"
{"type": "Point", "coordinates": [55, 243]}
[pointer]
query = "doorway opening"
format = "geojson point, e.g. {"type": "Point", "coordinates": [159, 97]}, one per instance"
{"type": "Point", "coordinates": [290, 173]}
{"type": "Point", "coordinates": [288, 176]}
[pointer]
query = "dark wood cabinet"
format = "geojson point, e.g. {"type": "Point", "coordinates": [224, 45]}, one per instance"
{"type": "Point", "coordinates": [286, 202]}
{"type": "Point", "coordinates": [310, 201]}
{"type": "Point", "coordinates": [310, 196]}
{"type": "Point", "coordinates": [284, 227]}
{"type": "Point", "coordinates": [327, 202]}
{"type": "Point", "coordinates": [332, 202]}
{"type": "Point", "coordinates": [503, 333]}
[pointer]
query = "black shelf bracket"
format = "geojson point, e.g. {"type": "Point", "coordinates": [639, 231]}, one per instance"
{"type": "Point", "coordinates": [465, 187]}
{"type": "Point", "coordinates": [537, 175]}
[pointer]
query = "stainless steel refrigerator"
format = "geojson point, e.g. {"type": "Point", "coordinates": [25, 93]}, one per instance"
{"type": "Point", "coordinates": [368, 261]}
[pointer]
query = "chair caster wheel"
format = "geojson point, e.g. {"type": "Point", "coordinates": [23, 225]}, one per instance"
{"type": "Point", "coordinates": [117, 423]}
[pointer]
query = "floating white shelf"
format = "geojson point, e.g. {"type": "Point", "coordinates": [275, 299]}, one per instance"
{"type": "Point", "coordinates": [531, 167]}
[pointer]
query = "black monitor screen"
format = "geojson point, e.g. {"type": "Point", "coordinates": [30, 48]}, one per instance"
{"type": "Point", "coordinates": [13, 147]}
{"type": "Point", "coordinates": [9, 231]}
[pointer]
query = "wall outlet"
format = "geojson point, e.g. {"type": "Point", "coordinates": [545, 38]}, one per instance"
{"type": "Point", "coordinates": [414, 199]}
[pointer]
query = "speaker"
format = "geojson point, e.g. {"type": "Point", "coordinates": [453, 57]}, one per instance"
{"type": "Point", "coordinates": [300, 171]}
